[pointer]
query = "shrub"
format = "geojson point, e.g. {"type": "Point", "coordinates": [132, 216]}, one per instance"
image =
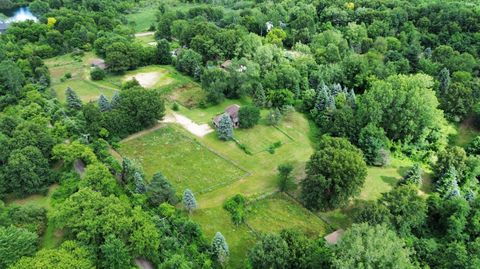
{"type": "Point", "coordinates": [97, 74]}
{"type": "Point", "coordinates": [237, 207]}
{"type": "Point", "coordinates": [248, 116]}
{"type": "Point", "coordinates": [68, 75]}
{"type": "Point", "coordinates": [175, 106]}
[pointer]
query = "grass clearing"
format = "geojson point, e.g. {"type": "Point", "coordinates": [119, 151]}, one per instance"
{"type": "Point", "coordinates": [183, 160]}
{"type": "Point", "coordinates": [86, 90]}
{"type": "Point", "coordinates": [256, 143]}
{"type": "Point", "coordinates": [279, 212]}
{"type": "Point", "coordinates": [187, 95]}
{"type": "Point", "coordinates": [239, 238]}
{"type": "Point", "coordinates": [465, 133]}
{"type": "Point", "coordinates": [144, 17]}
{"type": "Point", "coordinates": [51, 238]}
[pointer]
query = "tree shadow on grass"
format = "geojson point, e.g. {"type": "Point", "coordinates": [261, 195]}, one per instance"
{"type": "Point", "coordinates": [392, 181]}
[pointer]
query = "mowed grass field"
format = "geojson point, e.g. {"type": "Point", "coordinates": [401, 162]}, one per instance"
{"type": "Point", "coordinates": [185, 162]}
{"type": "Point", "coordinates": [279, 212]}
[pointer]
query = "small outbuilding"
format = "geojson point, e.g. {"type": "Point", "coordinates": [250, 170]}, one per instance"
{"type": "Point", "coordinates": [334, 237]}
{"type": "Point", "coordinates": [99, 63]}
{"type": "Point", "coordinates": [232, 112]}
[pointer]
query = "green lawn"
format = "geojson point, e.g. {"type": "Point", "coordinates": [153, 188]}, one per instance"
{"type": "Point", "coordinates": [143, 18]}
{"type": "Point", "coordinates": [51, 238]}
{"type": "Point", "coordinates": [184, 161]}
{"type": "Point", "coordinates": [86, 90]}
{"type": "Point", "coordinates": [280, 212]}
{"type": "Point", "coordinates": [256, 143]}
{"type": "Point", "coordinates": [239, 238]}
{"type": "Point", "coordinates": [465, 133]}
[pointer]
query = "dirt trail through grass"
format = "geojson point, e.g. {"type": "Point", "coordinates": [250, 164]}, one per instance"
{"type": "Point", "coordinates": [199, 130]}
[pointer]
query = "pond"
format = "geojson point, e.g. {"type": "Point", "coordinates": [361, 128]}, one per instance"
{"type": "Point", "coordinates": [19, 14]}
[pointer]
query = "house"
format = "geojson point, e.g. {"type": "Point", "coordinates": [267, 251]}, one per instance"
{"type": "Point", "coordinates": [99, 63]}
{"type": "Point", "coordinates": [334, 237]}
{"type": "Point", "coordinates": [232, 112]}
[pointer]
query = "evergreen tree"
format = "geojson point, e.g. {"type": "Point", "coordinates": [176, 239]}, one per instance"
{"type": "Point", "coordinates": [447, 185]}
{"type": "Point", "coordinates": [139, 183]}
{"type": "Point", "coordinates": [159, 191]}
{"type": "Point", "coordinates": [103, 103]}
{"type": "Point", "coordinates": [220, 248]}
{"type": "Point", "coordinates": [274, 116]}
{"type": "Point", "coordinates": [351, 98]}
{"type": "Point", "coordinates": [259, 96]}
{"type": "Point", "coordinates": [115, 101]}
{"type": "Point", "coordinates": [322, 97]}
{"type": "Point", "coordinates": [225, 128]}
{"type": "Point", "coordinates": [73, 101]}
{"type": "Point", "coordinates": [331, 103]}
{"type": "Point", "coordinates": [413, 176]}
{"type": "Point", "coordinates": [189, 201]}
{"type": "Point", "coordinates": [444, 79]}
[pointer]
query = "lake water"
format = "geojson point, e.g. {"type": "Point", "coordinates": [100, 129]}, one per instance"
{"type": "Point", "coordinates": [19, 14]}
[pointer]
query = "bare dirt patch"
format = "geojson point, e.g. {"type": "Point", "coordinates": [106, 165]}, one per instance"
{"type": "Point", "coordinates": [199, 130]}
{"type": "Point", "coordinates": [151, 79]}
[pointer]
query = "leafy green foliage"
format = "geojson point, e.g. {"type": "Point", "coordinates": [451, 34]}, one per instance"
{"type": "Point", "coordinates": [335, 173]}
{"type": "Point", "coordinates": [237, 207]}
{"type": "Point", "coordinates": [371, 246]}
{"type": "Point", "coordinates": [14, 244]}
{"type": "Point", "coordinates": [248, 116]}
{"type": "Point", "coordinates": [70, 255]}
{"type": "Point", "coordinates": [372, 141]}
{"type": "Point", "coordinates": [413, 176]}
{"type": "Point", "coordinates": [270, 252]}
{"type": "Point", "coordinates": [115, 254]}
{"type": "Point", "coordinates": [97, 73]}
{"type": "Point", "coordinates": [285, 179]}
{"type": "Point", "coordinates": [163, 52]}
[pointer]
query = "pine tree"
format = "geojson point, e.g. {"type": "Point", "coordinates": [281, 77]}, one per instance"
{"type": "Point", "coordinates": [445, 186]}
{"type": "Point", "coordinates": [189, 201]}
{"type": "Point", "coordinates": [259, 97]}
{"type": "Point", "coordinates": [336, 89]}
{"type": "Point", "coordinates": [220, 248]}
{"type": "Point", "coordinates": [413, 176]}
{"type": "Point", "coordinates": [322, 97]}
{"type": "Point", "coordinates": [331, 103]}
{"type": "Point", "coordinates": [351, 98]}
{"type": "Point", "coordinates": [159, 190]}
{"type": "Point", "coordinates": [274, 116]}
{"type": "Point", "coordinates": [103, 103]}
{"type": "Point", "coordinates": [115, 101]}
{"type": "Point", "coordinates": [73, 101]}
{"type": "Point", "coordinates": [139, 183]}
{"type": "Point", "coordinates": [444, 79]}
{"type": "Point", "coordinates": [225, 128]}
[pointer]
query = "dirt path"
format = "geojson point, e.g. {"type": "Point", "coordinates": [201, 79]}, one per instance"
{"type": "Point", "coordinates": [144, 34]}
{"type": "Point", "coordinates": [189, 125]}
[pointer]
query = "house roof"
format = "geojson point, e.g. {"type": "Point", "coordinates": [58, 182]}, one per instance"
{"type": "Point", "coordinates": [333, 238]}
{"type": "Point", "coordinates": [100, 63]}
{"type": "Point", "coordinates": [232, 111]}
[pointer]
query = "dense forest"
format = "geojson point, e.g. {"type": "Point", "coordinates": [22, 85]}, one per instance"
{"type": "Point", "coordinates": [377, 79]}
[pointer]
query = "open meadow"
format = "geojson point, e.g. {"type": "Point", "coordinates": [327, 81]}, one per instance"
{"type": "Point", "coordinates": [74, 72]}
